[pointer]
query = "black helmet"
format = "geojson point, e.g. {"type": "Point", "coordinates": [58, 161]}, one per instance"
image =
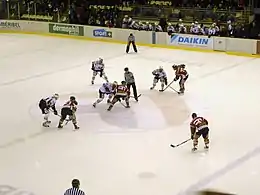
{"type": "Point", "coordinates": [123, 82]}
{"type": "Point", "coordinates": [72, 98]}
{"type": "Point", "coordinates": [75, 183]}
{"type": "Point", "coordinates": [126, 69]}
{"type": "Point", "coordinates": [194, 115]}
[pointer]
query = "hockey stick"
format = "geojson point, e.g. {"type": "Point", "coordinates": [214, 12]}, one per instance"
{"type": "Point", "coordinates": [174, 146]}
{"type": "Point", "coordinates": [122, 104]}
{"type": "Point", "coordinates": [174, 90]}
{"type": "Point", "coordinates": [168, 85]}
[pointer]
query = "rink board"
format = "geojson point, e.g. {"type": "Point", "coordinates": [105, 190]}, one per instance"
{"type": "Point", "coordinates": [232, 46]}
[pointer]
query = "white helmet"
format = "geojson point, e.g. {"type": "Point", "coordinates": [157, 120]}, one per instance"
{"type": "Point", "coordinates": [56, 96]}
{"type": "Point", "coordinates": [100, 60]}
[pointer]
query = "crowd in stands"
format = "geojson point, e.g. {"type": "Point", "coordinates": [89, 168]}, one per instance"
{"type": "Point", "coordinates": [207, 17]}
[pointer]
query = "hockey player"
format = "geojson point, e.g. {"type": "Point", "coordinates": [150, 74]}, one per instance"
{"type": "Point", "coordinates": [45, 105]}
{"type": "Point", "coordinates": [159, 74]}
{"type": "Point", "coordinates": [106, 89]}
{"type": "Point", "coordinates": [98, 66]}
{"type": "Point", "coordinates": [69, 109]}
{"type": "Point", "coordinates": [198, 127]}
{"type": "Point", "coordinates": [131, 41]}
{"type": "Point", "coordinates": [182, 74]}
{"type": "Point", "coordinates": [121, 93]}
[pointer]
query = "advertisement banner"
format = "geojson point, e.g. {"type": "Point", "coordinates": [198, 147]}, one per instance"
{"type": "Point", "coordinates": [102, 33]}
{"type": "Point", "coordinates": [196, 41]}
{"type": "Point", "coordinates": [12, 25]}
{"type": "Point", "coordinates": [66, 29]}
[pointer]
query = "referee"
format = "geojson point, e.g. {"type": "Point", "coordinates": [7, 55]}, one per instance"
{"type": "Point", "coordinates": [75, 188]}
{"type": "Point", "coordinates": [130, 80]}
{"type": "Point", "coordinates": [131, 40]}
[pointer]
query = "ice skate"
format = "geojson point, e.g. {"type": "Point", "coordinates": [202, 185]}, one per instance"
{"type": "Point", "coordinates": [45, 124]}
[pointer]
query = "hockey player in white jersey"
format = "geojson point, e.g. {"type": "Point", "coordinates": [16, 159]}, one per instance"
{"type": "Point", "coordinates": [98, 66]}
{"type": "Point", "coordinates": [159, 75]}
{"type": "Point", "coordinates": [45, 105]}
{"type": "Point", "coordinates": [106, 89]}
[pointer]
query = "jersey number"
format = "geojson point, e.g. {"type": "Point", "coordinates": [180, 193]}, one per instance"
{"type": "Point", "coordinates": [198, 121]}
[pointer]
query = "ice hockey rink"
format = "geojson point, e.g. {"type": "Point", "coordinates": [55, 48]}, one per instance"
{"type": "Point", "coordinates": [125, 151]}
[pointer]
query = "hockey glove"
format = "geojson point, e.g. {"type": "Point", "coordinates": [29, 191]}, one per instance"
{"type": "Point", "coordinates": [55, 112]}
{"type": "Point", "coordinates": [101, 73]}
{"type": "Point", "coordinates": [192, 136]}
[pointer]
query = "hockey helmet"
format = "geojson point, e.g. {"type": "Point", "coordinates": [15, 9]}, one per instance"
{"type": "Point", "coordinates": [126, 69]}
{"type": "Point", "coordinates": [194, 115]}
{"type": "Point", "coordinates": [123, 82]}
{"type": "Point", "coordinates": [56, 96]}
{"type": "Point", "coordinates": [115, 83]}
{"type": "Point", "coordinates": [72, 98]}
{"type": "Point", "coordinates": [174, 67]}
{"type": "Point", "coordinates": [182, 65]}
{"type": "Point", "coordinates": [100, 60]}
{"type": "Point", "coordinates": [75, 183]}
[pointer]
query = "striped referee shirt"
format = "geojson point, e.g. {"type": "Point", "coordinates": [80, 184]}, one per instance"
{"type": "Point", "coordinates": [131, 38]}
{"type": "Point", "coordinates": [74, 191]}
{"type": "Point", "coordinates": [129, 77]}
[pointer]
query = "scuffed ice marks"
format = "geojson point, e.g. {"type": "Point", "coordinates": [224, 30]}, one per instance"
{"type": "Point", "coordinates": [10, 190]}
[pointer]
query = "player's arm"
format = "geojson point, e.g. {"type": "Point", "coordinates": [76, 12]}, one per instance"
{"type": "Point", "coordinates": [192, 130]}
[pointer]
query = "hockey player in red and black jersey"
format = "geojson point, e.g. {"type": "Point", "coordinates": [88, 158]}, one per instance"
{"type": "Point", "coordinates": [69, 109]}
{"type": "Point", "coordinates": [121, 93]}
{"type": "Point", "coordinates": [199, 127]}
{"type": "Point", "coordinates": [182, 75]}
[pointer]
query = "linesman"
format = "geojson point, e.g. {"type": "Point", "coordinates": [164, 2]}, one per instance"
{"type": "Point", "coordinates": [75, 188]}
{"type": "Point", "coordinates": [130, 81]}
{"type": "Point", "coordinates": [131, 40]}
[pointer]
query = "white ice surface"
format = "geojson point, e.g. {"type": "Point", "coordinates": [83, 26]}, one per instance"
{"type": "Point", "coordinates": [125, 152]}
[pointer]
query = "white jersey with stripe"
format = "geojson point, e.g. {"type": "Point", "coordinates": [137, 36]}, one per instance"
{"type": "Point", "coordinates": [106, 88]}
{"type": "Point", "coordinates": [159, 73]}
{"type": "Point", "coordinates": [97, 66]}
{"type": "Point", "coordinates": [50, 101]}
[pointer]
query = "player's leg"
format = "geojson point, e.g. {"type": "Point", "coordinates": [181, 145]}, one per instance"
{"type": "Point", "coordinates": [93, 77]}
{"type": "Point", "coordinates": [110, 96]}
{"type": "Point", "coordinates": [162, 80]}
{"type": "Point", "coordinates": [155, 81]}
{"type": "Point", "coordinates": [182, 87]}
{"type": "Point", "coordinates": [205, 135]}
{"type": "Point", "coordinates": [195, 141]}
{"type": "Point", "coordinates": [64, 113]}
{"type": "Point", "coordinates": [100, 99]}
{"type": "Point", "coordinates": [134, 46]}
{"type": "Point", "coordinates": [127, 102]}
{"type": "Point", "coordinates": [127, 47]}
{"type": "Point", "coordinates": [104, 76]}
{"type": "Point", "coordinates": [135, 91]}
{"type": "Point", "coordinates": [114, 100]}
{"type": "Point", "coordinates": [45, 111]}
{"type": "Point", "coordinates": [74, 120]}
